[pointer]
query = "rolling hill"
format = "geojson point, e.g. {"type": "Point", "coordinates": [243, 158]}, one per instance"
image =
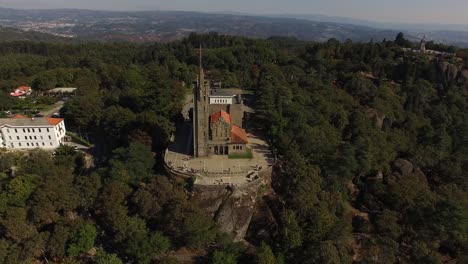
{"type": "Point", "coordinates": [148, 26]}
{"type": "Point", "coordinates": [13, 34]}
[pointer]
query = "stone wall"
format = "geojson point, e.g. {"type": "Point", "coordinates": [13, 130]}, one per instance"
{"type": "Point", "coordinates": [237, 114]}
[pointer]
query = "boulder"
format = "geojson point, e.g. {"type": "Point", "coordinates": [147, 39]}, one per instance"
{"type": "Point", "coordinates": [353, 191]}
{"type": "Point", "coordinates": [210, 198]}
{"type": "Point", "coordinates": [376, 116]}
{"type": "Point", "coordinates": [403, 167]}
{"type": "Point", "coordinates": [92, 251]}
{"type": "Point", "coordinates": [234, 215]}
{"type": "Point", "coordinates": [463, 78]}
{"type": "Point", "coordinates": [451, 73]}
{"type": "Point", "coordinates": [444, 66]}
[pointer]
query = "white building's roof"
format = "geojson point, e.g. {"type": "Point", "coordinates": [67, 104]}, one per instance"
{"type": "Point", "coordinates": [30, 122]}
{"type": "Point", "coordinates": [222, 93]}
{"type": "Point", "coordinates": [61, 90]}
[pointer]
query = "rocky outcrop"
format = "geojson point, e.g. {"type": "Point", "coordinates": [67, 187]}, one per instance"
{"type": "Point", "coordinates": [463, 78]}
{"type": "Point", "coordinates": [444, 66]}
{"type": "Point", "coordinates": [234, 215]}
{"type": "Point", "coordinates": [404, 168]}
{"type": "Point", "coordinates": [381, 121]}
{"type": "Point", "coordinates": [452, 74]}
{"type": "Point", "coordinates": [232, 208]}
{"type": "Point", "coordinates": [449, 71]}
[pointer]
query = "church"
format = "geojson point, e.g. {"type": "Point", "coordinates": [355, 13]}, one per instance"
{"type": "Point", "coordinates": [217, 120]}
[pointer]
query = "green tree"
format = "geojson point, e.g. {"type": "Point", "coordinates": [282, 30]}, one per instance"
{"type": "Point", "coordinates": [145, 248]}
{"type": "Point", "coordinates": [89, 189]}
{"type": "Point", "coordinates": [132, 164]}
{"type": "Point", "coordinates": [329, 253]}
{"type": "Point", "coordinates": [7, 160]}
{"type": "Point", "coordinates": [291, 231]}
{"type": "Point", "coordinates": [44, 81]}
{"type": "Point", "coordinates": [4, 245]}
{"type": "Point", "coordinates": [20, 188]}
{"type": "Point", "coordinates": [102, 257]}
{"type": "Point", "coordinates": [401, 41]}
{"type": "Point", "coordinates": [83, 112]}
{"type": "Point", "coordinates": [265, 255]}
{"type": "Point", "coordinates": [82, 240]}
{"type": "Point", "coordinates": [57, 243]}
{"type": "Point", "coordinates": [387, 223]}
{"type": "Point", "coordinates": [198, 229]}
{"type": "Point", "coordinates": [221, 257]}
{"type": "Point", "coordinates": [15, 225]}
{"type": "Point", "coordinates": [115, 119]}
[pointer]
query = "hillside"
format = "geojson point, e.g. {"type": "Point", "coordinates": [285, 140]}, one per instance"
{"type": "Point", "coordinates": [12, 34]}
{"type": "Point", "coordinates": [370, 143]}
{"type": "Point", "coordinates": [148, 26]}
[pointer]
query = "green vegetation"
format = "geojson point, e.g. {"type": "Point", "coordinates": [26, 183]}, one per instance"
{"type": "Point", "coordinates": [76, 138]}
{"type": "Point", "coordinates": [371, 146]}
{"type": "Point", "coordinates": [247, 155]}
{"type": "Point", "coordinates": [28, 106]}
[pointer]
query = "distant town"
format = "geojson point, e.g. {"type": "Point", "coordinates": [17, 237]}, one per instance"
{"type": "Point", "coordinates": [149, 26]}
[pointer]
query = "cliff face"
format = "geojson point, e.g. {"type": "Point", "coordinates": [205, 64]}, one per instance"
{"type": "Point", "coordinates": [452, 74]}
{"type": "Point", "coordinates": [232, 208]}
{"type": "Point", "coordinates": [463, 78]}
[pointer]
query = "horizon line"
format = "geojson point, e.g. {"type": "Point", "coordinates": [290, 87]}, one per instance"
{"type": "Point", "coordinates": [358, 21]}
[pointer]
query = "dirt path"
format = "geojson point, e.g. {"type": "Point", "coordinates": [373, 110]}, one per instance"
{"type": "Point", "coordinates": [55, 109]}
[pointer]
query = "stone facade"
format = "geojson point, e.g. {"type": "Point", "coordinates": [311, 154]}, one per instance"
{"type": "Point", "coordinates": [217, 126]}
{"type": "Point", "coordinates": [200, 115]}
{"type": "Point", "coordinates": [225, 137]}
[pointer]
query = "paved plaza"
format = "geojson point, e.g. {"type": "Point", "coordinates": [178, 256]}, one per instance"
{"type": "Point", "coordinates": [216, 169]}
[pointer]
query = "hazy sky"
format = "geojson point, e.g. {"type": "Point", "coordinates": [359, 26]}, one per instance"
{"type": "Point", "coordinates": [414, 11]}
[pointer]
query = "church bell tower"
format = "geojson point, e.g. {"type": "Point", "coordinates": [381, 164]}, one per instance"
{"type": "Point", "coordinates": [200, 112]}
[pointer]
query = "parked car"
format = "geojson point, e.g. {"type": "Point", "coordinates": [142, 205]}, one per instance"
{"type": "Point", "coordinates": [55, 115]}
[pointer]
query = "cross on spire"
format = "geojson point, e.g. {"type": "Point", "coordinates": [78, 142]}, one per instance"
{"type": "Point", "coordinates": [200, 67]}
{"type": "Point", "coordinates": [200, 55]}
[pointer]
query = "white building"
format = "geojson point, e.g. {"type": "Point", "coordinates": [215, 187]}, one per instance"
{"type": "Point", "coordinates": [223, 96]}
{"type": "Point", "coordinates": [30, 133]}
{"type": "Point", "coordinates": [221, 99]}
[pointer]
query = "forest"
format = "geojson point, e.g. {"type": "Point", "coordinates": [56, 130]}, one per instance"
{"type": "Point", "coordinates": [371, 140]}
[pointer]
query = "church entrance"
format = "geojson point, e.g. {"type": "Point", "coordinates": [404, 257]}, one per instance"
{"type": "Point", "coordinates": [221, 150]}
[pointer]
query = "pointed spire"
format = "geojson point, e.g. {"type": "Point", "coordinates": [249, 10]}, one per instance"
{"type": "Point", "coordinates": [200, 59]}
{"type": "Point", "coordinates": [201, 75]}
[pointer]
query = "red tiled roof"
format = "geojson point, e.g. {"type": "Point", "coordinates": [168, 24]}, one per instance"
{"type": "Point", "coordinates": [215, 117]}
{"type": "Point", "coordinates": [24, 88]}
{"type": "Point", "coordinates": [19, 116]}
{"type": "Point", "coordinates": [238, 135]}
{"type": "Point", "coordinates": [54, 121]}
